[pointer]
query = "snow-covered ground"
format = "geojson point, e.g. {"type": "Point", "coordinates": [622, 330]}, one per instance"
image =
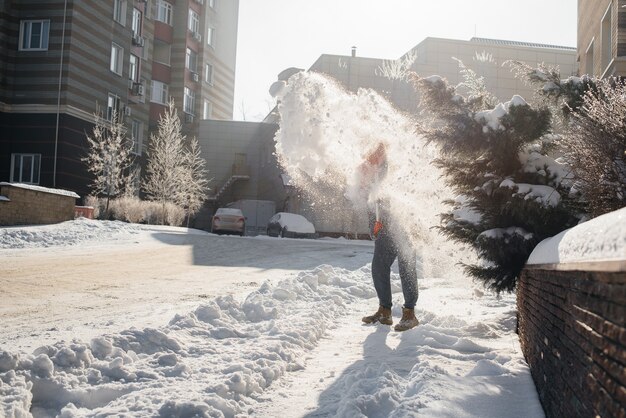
{"type": "Point", "coordinates": [106, 318]}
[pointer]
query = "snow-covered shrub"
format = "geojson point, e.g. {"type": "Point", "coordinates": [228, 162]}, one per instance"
{"type": "Point", "coordinates": [129, 209]}
{"type": "Point", "coordinates": [175, 215]}
{"type": "Point", "coordinates": [511, 194]}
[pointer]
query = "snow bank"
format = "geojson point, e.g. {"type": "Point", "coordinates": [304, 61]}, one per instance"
{"type": "Point", "coordinates": [208, 362]}
{"type": "Point", "coordinates": [65, 233]}
{"type": "Point", "coordinates": [599, 239]}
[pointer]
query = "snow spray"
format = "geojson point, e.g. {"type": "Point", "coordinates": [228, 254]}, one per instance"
{"type": "Point", "coordinates": [326, 132]}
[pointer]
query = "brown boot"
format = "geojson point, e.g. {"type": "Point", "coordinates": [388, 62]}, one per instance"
{"type": "Point", "coordinates": [408, 320]}
{"type": "Point", "coordinates": [383, 315]}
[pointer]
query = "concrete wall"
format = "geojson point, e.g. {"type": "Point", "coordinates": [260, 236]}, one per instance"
{"type": "Point", "coordinates": [32, 207]}
{"type": "Point", "coordinates": [572, 328]}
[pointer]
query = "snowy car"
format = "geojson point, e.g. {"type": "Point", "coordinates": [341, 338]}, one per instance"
{"type": "Point", "coordinates": [228, 220]}
{"type": "Point", "coordinates": [290, 225]}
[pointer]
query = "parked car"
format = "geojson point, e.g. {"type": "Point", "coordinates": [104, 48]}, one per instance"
{"type": "Point", "coordinates": [228, 220]}
{"type": "Point", "coordinates": [290, 225]}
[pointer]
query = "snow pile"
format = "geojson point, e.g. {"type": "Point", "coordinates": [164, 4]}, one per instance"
{"type": "Point", "coordinates": [209, 362]}
{"type": "Point", "coordinates": [73, 232]}
{"type": "Point", "coordinates": [600, 239]}
{"type": "Point", "coordinates": [325, 134]}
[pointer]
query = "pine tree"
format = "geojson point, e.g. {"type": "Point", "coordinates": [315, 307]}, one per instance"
{"type": "Point", "coordinates": [511, 195]}
{"type": "Point", "coordinates": [109, 158]}
{"type": "Point", "coordinates": [175, 172]}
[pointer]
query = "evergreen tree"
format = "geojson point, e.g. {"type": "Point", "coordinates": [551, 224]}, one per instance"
{"type": "Point", "coordinates": [109, 158]}
{"type": "Point", "coordinates": [511, 194]}
{"type": "Point", "coordinates": [175, 172]}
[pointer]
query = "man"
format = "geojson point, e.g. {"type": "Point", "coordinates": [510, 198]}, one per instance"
{"type": "Point", "coordinates": [391, 242]}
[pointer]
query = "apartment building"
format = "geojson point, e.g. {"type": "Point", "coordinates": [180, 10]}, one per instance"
{"type": "Point", "coordinates": [62, 61]}
{"type": "Point", "coordinates": [602, 37]}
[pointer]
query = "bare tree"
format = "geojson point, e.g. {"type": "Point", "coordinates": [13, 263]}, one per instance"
{"type": "Point", "coordinates": [596, 145]}
{"type": "Point", "coordinates": [109, 158]}
{"type": "Point", "coordinates": [175, 172]}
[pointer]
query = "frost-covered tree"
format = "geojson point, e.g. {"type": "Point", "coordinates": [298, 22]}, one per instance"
{"type": "Point", "coordinates": [109, 158]}
{"type": "Point", "coordinates": [511, 194]}
{"type": "Point", "coordinates": [594, 137]}
{"type": "Point", "coordinates": [175, 172]}
{"type": "Point", "coordinates": [195, 186]}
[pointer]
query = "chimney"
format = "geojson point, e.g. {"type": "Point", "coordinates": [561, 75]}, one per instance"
{"type": "Point", "coordinates": [354, 51]}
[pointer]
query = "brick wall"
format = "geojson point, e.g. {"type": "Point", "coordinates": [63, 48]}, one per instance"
{"type": "Point", "coordinates": [572, 328]}
{"type": "Point", "coordinates": [31, 207]}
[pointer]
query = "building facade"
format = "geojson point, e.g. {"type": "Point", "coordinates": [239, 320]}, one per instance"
{"type": "Point", "coordinates": [602, 37]}
{"type": "Point", "coordinates": [486, 57]}
{"type": "Point", "coordinates": [62, 61]}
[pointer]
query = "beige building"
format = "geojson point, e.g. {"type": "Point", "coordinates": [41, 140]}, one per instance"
{"type": "Point", "coordinates": [441, 57]}
{"type": "Point", "coordinates": [602, 37]}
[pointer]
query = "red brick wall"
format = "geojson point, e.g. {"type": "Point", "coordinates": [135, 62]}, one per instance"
{"type": "Point", "coordinates": [572, 328]}
{"type": "Point", "coordinates": [31, 207]}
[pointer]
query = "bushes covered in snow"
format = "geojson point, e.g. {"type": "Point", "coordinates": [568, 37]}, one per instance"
{"type": "Point", "coordinates": [134, 210]}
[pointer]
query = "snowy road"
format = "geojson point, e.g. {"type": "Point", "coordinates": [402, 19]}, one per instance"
{"type": "Point", "coordinates": [56, 293]}
{"type": "Point", "coordinates": [110, 319]}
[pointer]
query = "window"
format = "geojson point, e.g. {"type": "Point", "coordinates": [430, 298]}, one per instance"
{"type": "Point", "coordinates": [211, 4]}
{"type": "Point", "coordinates": [208, 73]}
{"type": "Point", "coordinates": [607, 39]}
{"type": "Point", "coordinates": [137, 134]}
{"type": "Point", "coordinates": [210, 35]}
{"type": "Point", "coordinates": [164, 12]}
{"type": "Point", "coordinates": [133, 68]}
{"type": "Point", "coordinates": [191, 60]}
{"type": "Point", "coordinates": [194, 22]}
{"type": "Point", "coordinates": [189, 101]}
{"type": "Point", "coordinates": [206, 110]}
{"type": "Point", "coordinates": [34, 35]}
{"type": "Point", "coordinates": [117, 58]}
{"type": "Point", "coordinates": [25, 168]}
{"type": "Point", "coordinates": [119, 11]}
{"type": "Point", "coordinates": [159, 92]}
{"type": "Point", "coordinates": [113, 106]}
{"type": "Point", "coordinates": [136, 23]}
{"type": "Point", "coordinates": [162, 52]}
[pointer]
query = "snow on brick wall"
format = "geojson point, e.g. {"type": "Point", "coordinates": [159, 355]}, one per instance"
{"type": "Point", "coordinates": [572, 329]}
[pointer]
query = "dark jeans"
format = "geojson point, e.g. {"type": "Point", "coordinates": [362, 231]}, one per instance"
{"type": "Point", "coordinates": [385, 253]}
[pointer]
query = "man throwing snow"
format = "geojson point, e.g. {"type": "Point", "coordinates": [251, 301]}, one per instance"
{"type": "Point", "coordinates": [391, 242]}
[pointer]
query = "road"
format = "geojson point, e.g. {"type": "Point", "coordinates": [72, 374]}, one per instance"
{"type": "Point", "coordinates": [48, 295]}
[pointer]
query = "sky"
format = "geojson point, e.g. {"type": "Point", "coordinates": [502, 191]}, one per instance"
{"type": "Point", "coordinates": [277, 34]}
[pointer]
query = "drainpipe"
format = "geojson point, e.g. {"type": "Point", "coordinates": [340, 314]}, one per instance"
{"type": "Point", "coordinates": [56, 136]}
